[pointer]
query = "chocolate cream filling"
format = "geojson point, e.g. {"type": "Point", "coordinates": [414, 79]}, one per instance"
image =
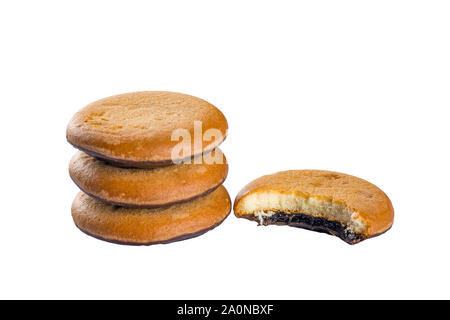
{"type": "Point", "coordinates": [300, 220]}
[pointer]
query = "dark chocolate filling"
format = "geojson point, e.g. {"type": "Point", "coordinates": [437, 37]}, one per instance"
{"type": "Point", "coordinates": [305, 221]}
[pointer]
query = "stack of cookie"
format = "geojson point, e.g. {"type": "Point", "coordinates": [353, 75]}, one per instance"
{"type": "Point", "coordinates": [148, 167]}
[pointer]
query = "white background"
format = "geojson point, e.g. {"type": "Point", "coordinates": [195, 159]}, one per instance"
{"type": "Point", "coordinates": [360, 87]}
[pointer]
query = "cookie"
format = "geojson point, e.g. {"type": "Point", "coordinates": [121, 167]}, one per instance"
{"type": "Point", "coordinates": [150, 226]}
{"type": "Point", "coordinates": [134, 187]}
{"type": "Point", "coordinates": [141, 129]}
{"type": "Point", "coordinates": [335, 203]}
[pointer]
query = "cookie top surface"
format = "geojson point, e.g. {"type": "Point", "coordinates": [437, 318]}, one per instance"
{"type": "Point", "coordinates": [138, 127]}
{"type": "Point", "coordinates": [149, 226]}
{"type": "Point", "coordinates": [365, 199]}
{"type": "Point", "coordinates": [147, 187]}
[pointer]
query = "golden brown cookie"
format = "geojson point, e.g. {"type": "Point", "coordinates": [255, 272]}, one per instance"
{"type": "Point", "coordinates": [331, 202]}
{"type": "Point", "coordinates": [140, 129]}
{"type": "Point", "coordinates": [155, 187]}
{"type": "Point", "coordinates": [150, 226]}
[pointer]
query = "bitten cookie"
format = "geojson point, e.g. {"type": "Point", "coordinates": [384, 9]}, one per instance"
{"type": "Point", "coordinates": [150, 226]}
{"type": "Point", "coordinates": [136, 129]}
{"type": "Point", "coordinates": [133, 187]}
{"type": "Point", "coordinates": [335, 203]}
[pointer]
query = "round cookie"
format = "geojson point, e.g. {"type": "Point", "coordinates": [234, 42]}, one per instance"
{"type": "Point", "coordinates": [140, 129]}
{"type": "Point", "coordinates": [331, 202]}
{"type": "Point", "coordinates": [155, 187]}
{"type": "Point", "coordinates": [150, 226]}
